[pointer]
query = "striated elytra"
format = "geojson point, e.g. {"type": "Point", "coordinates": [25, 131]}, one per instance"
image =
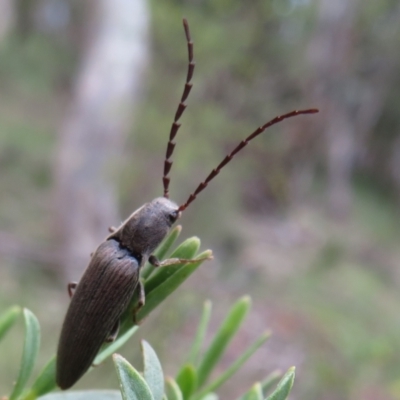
{"type": "Point", "coordinates": [97, 304]}
{"type": "Point", "coordinates": [107, 286]}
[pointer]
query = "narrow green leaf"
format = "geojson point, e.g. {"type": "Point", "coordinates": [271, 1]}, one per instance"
{"type": "Point", "coordinates": [187, 380]}
{"type": "Point", "coordinates": [172, 390]}
{"type": "Point", "coordinates": [45, 382]}
{"type": "Point", "coordinates": [85, 395]}
{"type": "Point", "coordinates": [200, 334]}
{"type": "Point", "coordinates": [162, 250]}
{"type": "Point", "coordinates": [133, 386]}
{"type": "Point", "coordinates": [234, 367]}
{"type": "Point", "coordinates": [114, 346]}
{"type": "Point", "coordinates": [284, 387]}
{"type": "Point", "coordinates": [255, 393]}
{"type": "Point", "coordinates": [154, 298]}
{"type": "Point", "coordinates": [8, 318]}
{"type": "Point", "coordinates": [152, 373]}
{"type": "Point", "coordinates": [186, 250]}
{"type": "Point", "coordinates": [168, 242]}
{"type": "Point", "coordinates": [30, 351]}
{"type": "Point", "coordinates": [271, 380]}
{"type": "Point", "coordinates": [224, 335]}
{"type": "Point", "coordinates": [128, 319]}
{"type": "Point", "coordinates": [210, 396]}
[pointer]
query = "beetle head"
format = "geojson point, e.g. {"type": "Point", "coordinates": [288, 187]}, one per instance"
{"type": "Point", "coordinates": [144, 230]}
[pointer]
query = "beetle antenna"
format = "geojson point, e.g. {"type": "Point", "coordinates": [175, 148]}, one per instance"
{"type": "Point", "coordinates": [239, 147]}
{"type": "Point", "coordinates": [181, 108]}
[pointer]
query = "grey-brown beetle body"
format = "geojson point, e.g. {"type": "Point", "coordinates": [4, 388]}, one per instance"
{"type": "Point", "coordinates": [112, 276]}
{"type": "Point", "coordinates": [107, 286]}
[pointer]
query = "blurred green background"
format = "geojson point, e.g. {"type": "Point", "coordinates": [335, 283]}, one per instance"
{"type": "Point", "coordinates": [305, 220]}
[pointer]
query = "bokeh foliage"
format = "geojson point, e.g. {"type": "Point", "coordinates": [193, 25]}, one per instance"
{"type": "Point", "coordinates": [329, 288]}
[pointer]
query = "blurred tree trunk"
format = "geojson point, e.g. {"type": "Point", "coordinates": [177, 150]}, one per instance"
{"type": "Point", "coordinates": [7, 18]}
{"type": "Point", "coordinates": [91, 138]}
{"type": "Point", "coordinates": [331, 53]}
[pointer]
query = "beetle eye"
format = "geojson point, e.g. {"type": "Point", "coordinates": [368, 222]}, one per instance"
{"type": "Point", "coordinates": [173, 216]}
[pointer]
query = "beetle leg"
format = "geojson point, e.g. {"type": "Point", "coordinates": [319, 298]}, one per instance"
{"type": "Point", "coordinates": [110, 338]}
{"type": "Point", "coordinates": [72, 286]}
{"type": "Point", "coordinates": [114, 333]}
{"type": "Point", "coordinates": [141, 299]}
{"type": "Point", "coordinates": [174, 261]}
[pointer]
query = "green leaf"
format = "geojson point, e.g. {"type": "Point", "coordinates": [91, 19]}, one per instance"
{"type": "Point", "coordinates": [187, 380]}
{"type": "Point", "coordinates": [162, 250]}
{"type": "Point", "coordinates": [255, 393]}
{"type": "Point", "coordinates": [85, 395]}
{"type": "Point", "coordinates": [155, 297]}
{"type": "Point", "coordinates": [45, 382]}
{"type": "Point", "coordinates": [187, 250]}
{"type": "Point", "coordinates": [284, 386]}
{"type": "Point", "coordinates": [200, 334]}
{"type": "Point", "coordinates": [210, 396]}
{"type": "Point", "coordinates": [114, 346]}
{"type": "Point", "coordinates": [222, 338]}
{"type": "Point", "coordinates": [152, 373]}
{"type": "Point", "coordinates": [168, 242]}
{"type": "Point", "coordinates": [235, 366]}
{"type": "Point", "coordinates": [271, 380]}
{"type": "Point", "coordinates": [29, 354]}
{"type": "Point", "coordinates": [8, 318]}
{"type": "Point", "coordinates": [172, 390]}
{"type": "Point", "coordinates": [133, 386]}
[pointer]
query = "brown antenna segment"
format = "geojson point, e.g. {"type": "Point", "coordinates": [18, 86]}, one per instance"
{"type": "Point", "coordinates": [239, 147]}
{"type": "Point", "coordinates": [181, 108]}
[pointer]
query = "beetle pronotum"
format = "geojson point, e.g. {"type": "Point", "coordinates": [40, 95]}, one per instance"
{"type": "Point", "coordinates": [112, 276]}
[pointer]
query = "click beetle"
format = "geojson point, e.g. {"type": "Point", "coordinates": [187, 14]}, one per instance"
{"type": "Point", "coordinates": [112, 277]}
